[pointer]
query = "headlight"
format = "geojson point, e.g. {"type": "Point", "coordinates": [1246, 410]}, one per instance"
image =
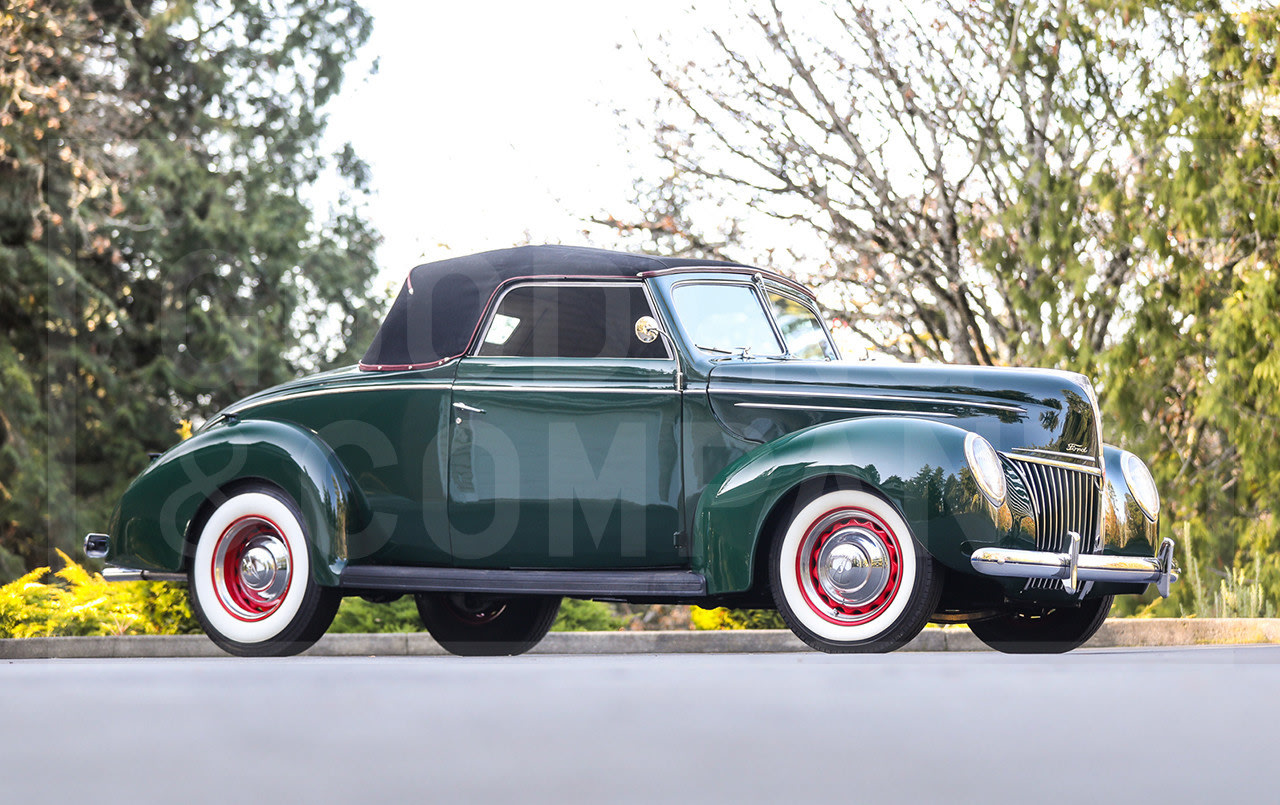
{"type": "Point", "coordinates": [986, 466]}
{"type": "Point", "coordinates": [1141, 485]}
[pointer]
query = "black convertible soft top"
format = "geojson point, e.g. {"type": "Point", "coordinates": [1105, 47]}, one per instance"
{"type": "Point", "coordinates": [439, 307]}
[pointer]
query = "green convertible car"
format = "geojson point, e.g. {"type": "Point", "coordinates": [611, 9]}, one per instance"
{"type": "Point", "coordinates": [549, 421]}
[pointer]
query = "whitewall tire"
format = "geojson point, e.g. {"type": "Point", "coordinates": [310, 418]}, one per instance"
{"type": "Point", "coordinates": [848, 576]}
{"type": "Point", "coordinates": [250, 578]}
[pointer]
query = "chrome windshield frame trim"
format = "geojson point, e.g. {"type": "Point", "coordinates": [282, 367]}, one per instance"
{"type": "Point", "coordinates": [721, 268]}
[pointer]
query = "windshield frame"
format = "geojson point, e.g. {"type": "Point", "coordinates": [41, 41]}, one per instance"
{"type": "Point", "coordinates": [761, 286]}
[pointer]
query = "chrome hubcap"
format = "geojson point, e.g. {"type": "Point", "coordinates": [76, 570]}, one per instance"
{"type": "Point", "coordinates": [264, 567]}
{"type": "Point", "coordinates": [853, 566]}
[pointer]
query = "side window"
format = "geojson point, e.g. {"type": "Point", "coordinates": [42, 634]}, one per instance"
{"type": "Point", "coordinates": [548, 320]}
{"type": "Point", "coordinates": [801, 328]}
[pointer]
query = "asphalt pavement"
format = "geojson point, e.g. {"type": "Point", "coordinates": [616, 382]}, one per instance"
{"type": "Point", "coordinates": [1188, 724]}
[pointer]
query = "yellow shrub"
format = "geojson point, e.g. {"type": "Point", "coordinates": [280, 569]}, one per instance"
{"type": "Point", "coordinates": [722, 618]}
{"type": "Point", "coordinates": [717, 618]}
{"type": "Point", "coordinates": [83, 603]}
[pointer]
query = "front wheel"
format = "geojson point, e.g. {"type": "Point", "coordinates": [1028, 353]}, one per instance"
{"type": "Point", "coordinates": [848, 576]}
{"type": "Point", "coordinates": [1054, 632]}
{"type": "Point", "coordinates": [485, 625]}
{"type": "Point", "coordinates": [250, 579]}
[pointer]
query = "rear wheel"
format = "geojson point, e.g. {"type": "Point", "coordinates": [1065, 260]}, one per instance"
{"type": "Point", "coordinates": [487, 625]}
{"type": "Point", "coordinates": [1054, 632]}
{"type": "Point", "coordinates": [848, 576]}
{"type": "Point", "coordinates": [250, 580]}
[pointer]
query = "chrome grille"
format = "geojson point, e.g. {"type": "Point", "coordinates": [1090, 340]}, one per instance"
{"type": "Point", "coordinates": [1061, 500]}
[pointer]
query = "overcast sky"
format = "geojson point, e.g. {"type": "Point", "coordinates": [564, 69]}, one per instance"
{"type": "Point", "coordinates": [485, 121]}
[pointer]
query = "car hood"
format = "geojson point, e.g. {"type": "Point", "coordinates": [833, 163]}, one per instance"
{"type": "Point", "coordinates": [1021, 411]}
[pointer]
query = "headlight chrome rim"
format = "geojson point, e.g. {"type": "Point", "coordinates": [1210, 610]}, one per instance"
{"type": "Point", "coordinates": [1142, 485]}
{"type": "Point", "coordinates": [987, 468]}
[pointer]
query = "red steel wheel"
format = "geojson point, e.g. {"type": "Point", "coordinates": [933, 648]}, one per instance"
{"type": "Point", "coordinates": [848, 575]}
{"type": "Point", "coordinates": [250, 578]}
{"type": "Point", "coordinates": [252, 568]}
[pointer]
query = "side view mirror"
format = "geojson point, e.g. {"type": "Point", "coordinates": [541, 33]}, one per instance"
{"type": "Point", "coordinates": [647, 329]}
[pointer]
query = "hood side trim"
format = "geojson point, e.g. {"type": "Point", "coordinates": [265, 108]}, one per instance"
{"type": "Point", "coordinates": [810, 392]}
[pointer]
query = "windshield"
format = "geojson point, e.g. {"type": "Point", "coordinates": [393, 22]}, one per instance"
{"type": "Point", "coordinates": [726, 318]}
{"type": "Point", "coordinates": [723, 317]}
{"type": "Point", "coordinates": [801, 328]}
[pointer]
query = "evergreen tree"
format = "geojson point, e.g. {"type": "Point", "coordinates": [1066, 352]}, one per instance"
{"type": "Point", "coordinates": [160, 256]}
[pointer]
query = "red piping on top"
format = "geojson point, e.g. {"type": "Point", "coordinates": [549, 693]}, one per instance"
{"type": "Point", "coordinates": [404, 367]}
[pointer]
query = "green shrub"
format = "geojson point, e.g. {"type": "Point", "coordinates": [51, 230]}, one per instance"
{"type": "Point", "coordinates": [588, 616]}
{"type": "Point", "coordinates": [1248, 587]}
{"type": "Point", "coordinates": [82, 603]}
{"type": "Point", "coordinates": [357, 615]}
{"type": "Point", "coordinates": [1239, 594]}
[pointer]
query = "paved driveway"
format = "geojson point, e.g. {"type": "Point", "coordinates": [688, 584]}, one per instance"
{"type": "Point", "coordinates": [1144, 725]}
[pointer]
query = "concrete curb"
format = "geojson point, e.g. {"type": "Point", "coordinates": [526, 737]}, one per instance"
{"type": "Point", "coordinates": [1124, 632]}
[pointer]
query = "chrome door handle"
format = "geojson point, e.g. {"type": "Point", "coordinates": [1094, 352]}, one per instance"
{"type": "Point", "coordinates": [468, 408]}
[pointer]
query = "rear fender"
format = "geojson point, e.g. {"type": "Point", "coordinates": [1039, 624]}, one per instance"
{"type": "Point", "coordinates": [150, 527]}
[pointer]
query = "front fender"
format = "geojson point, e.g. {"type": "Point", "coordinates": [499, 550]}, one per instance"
{"type": "Point", "coordinates": [918, 464]}
{"type": "Point", "coordinates": [149, 528]}
{"type": "Point", "coordinates": [1126, 529]}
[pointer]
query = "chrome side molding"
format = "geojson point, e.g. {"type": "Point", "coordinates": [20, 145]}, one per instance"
{"type": "Point", "coordinates": [1073, 567]}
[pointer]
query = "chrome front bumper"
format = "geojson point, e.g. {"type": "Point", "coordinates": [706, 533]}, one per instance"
{"type": "Point", "coordinates": [1073, 567]}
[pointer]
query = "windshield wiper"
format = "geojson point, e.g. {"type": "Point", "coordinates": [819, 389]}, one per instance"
{"type": "Point", "coordinates": [740, 352]}
{"type": "Point", "coordinates": [734, 351]}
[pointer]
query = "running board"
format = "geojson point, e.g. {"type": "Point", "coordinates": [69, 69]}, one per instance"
{"type": "Point", "coordinates": [575, 583]}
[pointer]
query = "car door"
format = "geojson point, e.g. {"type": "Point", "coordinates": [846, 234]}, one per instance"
{"type": "Point", "coordinates": [566, 427]}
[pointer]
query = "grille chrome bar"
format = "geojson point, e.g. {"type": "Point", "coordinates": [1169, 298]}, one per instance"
{"type": "Point", "coordinates": [1063, 500]}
